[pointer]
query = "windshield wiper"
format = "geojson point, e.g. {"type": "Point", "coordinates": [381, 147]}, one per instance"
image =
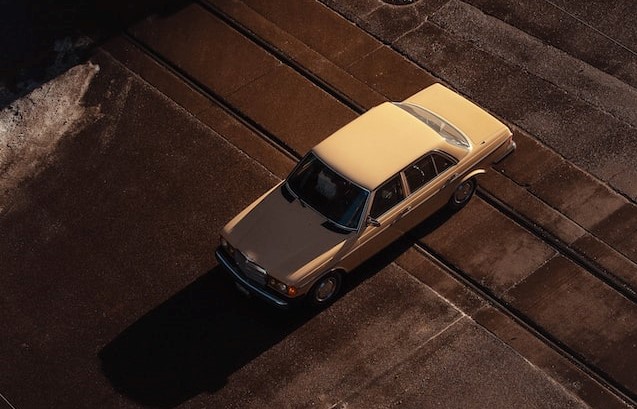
{"type": "Point", "coordinates": [330, 225]}
{"type": "Point", "coordinates": [290, 195]}
{"type": "Point", "coordinates": [285, 191]}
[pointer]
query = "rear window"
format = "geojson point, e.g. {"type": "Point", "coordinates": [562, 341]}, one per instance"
{"type": "Point", "coordinates": [448, 132]}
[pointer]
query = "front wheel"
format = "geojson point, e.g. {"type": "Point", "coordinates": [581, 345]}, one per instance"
{"type": "Point", "coordinates": [463, 193]}
{"type": "Point", "coordinates": [325, 290]}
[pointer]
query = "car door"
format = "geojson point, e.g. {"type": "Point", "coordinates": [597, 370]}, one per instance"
{"type": "Point", "coordinates": [386, 209]}
{"type": "Point", "coordinates": [428, 184]}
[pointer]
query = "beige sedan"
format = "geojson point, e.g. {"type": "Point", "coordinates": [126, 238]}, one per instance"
{"type": "Point", "coordinates": [359, 190]}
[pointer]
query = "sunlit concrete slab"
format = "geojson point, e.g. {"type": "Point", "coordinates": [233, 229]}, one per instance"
{"type": "Point", "coordinates": [531, 206]}
{"type": "Point", "coordinates": [397, 78]}
{"type": "Point", "coordinates": [577, 195]}
{"type": "Point", "coordinates": [292, 48]}
{"type": "Point", "coordinates": [491, 248]}
{"type": "Point", "coordinates": [327, 33]}
{"type": "Point", "coordinates": [596, 33]}
{"type": "Point", "coordinates": [572, 191]}
{"type": "Point", "coordinates": [588, 316]}
{"type": "Point", "coordinates": [366, 333]}
{"type": "Point", "coordinates": [620, 229]}
{"type": "Point", "coordinates": [292, 108]}
{"type": "Point", "coordinates": [200, 106]}
{"type": "Point", "coordinates": [464, 367]}
{"type": "Point", "coordinates": [274, 96]}
{"type": "Point", "coordinates": [210, 51]}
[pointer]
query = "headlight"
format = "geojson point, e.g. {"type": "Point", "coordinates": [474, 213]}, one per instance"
{"type": "Point", "coordinates": [282, 287]}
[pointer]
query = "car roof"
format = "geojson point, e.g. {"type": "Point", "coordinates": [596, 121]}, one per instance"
{"type": "Point", "coordinates": [378, 144]}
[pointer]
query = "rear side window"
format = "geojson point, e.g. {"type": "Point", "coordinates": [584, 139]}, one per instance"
{"type": "Point", "coordinates": [425, 169]}
{"type": "Point", "coordinates": [420, 173]}
{"type": "Point", "coordinates": [441, 162]}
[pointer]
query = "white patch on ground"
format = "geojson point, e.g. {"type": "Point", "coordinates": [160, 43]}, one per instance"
{"type": "Point", "coordinates": [32, 127]}
{"type": "Point", "coordinates": [113, 118]}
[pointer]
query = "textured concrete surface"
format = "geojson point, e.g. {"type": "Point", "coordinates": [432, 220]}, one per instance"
{"type": "Point", "coordinates": [110, 280]}
{"type": "Point", "coordinates": [468, 359]}
{"type": "Point", "coordinates": [124, 218]}
{"type": "Point", "coordinates": [562, 300]}
{"type": "Point", "coordinates": [510, 269]}
{"type": "Point", "coordinates": [496, 251]}
{"type": "Point", "coordinates": [116, 287]}
{"type": "Point", "coordinates": [552, 69]}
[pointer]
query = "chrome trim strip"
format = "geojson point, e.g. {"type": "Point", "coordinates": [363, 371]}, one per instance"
{"type": "Point", "coordinates": [223, 259]}
{"type": "Point", "coordinates": [509, 150]}
{"type": "Point", "coordinates": [475, 161]}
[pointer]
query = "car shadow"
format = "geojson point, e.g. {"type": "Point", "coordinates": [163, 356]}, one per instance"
{"type": "Point", "coordinates": [389, 254]}
{"type": "Point", "coordinates": [192, 342]}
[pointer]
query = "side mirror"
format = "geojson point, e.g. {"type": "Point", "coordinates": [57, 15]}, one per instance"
{"type": "Point", "coordinates": [372, 222]}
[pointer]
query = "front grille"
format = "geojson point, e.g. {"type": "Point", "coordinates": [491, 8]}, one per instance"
{"type": "Point", "coordinates": [250, 269]}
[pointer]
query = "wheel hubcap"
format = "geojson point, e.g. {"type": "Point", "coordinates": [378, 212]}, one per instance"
{"type": "Point", "coordinates": [326, 289]}
{"type": "Point", "coordinates": [463, 192]}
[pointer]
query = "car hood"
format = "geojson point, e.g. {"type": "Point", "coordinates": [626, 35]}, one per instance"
{"type": "Point", "coordinates": [285, 238]}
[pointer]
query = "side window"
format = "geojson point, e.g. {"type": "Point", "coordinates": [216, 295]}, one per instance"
{"type": "Point", "coordinates": [420, 173]}
{"type": "Point", "coordinates": [387, 196]}
{"type": "Point", "coordinates": [442, 162]}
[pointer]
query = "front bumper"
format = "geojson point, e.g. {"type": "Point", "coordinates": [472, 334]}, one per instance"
{"type": "Point", "coordinates": [265, 294]}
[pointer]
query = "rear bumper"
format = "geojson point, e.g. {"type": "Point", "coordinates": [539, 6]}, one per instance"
{"type": "Point", "coordinates": [228, 263]}
{"type": "Point", "coordinates": [507, 152]}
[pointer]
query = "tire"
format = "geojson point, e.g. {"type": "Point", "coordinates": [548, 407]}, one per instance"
{"type": "Point", "coordinates": [325, 290]}
{"type": "Point", "coordinates": [462, 194]}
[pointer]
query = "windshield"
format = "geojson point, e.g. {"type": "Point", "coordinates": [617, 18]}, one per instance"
{"type": "Point", "coordinates": [327, 192]}
{"type": "Point", "coordinates": [450, 133]}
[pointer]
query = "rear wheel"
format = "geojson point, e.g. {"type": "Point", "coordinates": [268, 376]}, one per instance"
{"type": "Point", "coordinates": [463, 193]}
{"type": "Point", "coordinates": [325, 290]}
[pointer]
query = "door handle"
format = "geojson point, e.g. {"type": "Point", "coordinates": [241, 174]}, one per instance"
{"type": "Point", "coordinates": [404, 212]}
